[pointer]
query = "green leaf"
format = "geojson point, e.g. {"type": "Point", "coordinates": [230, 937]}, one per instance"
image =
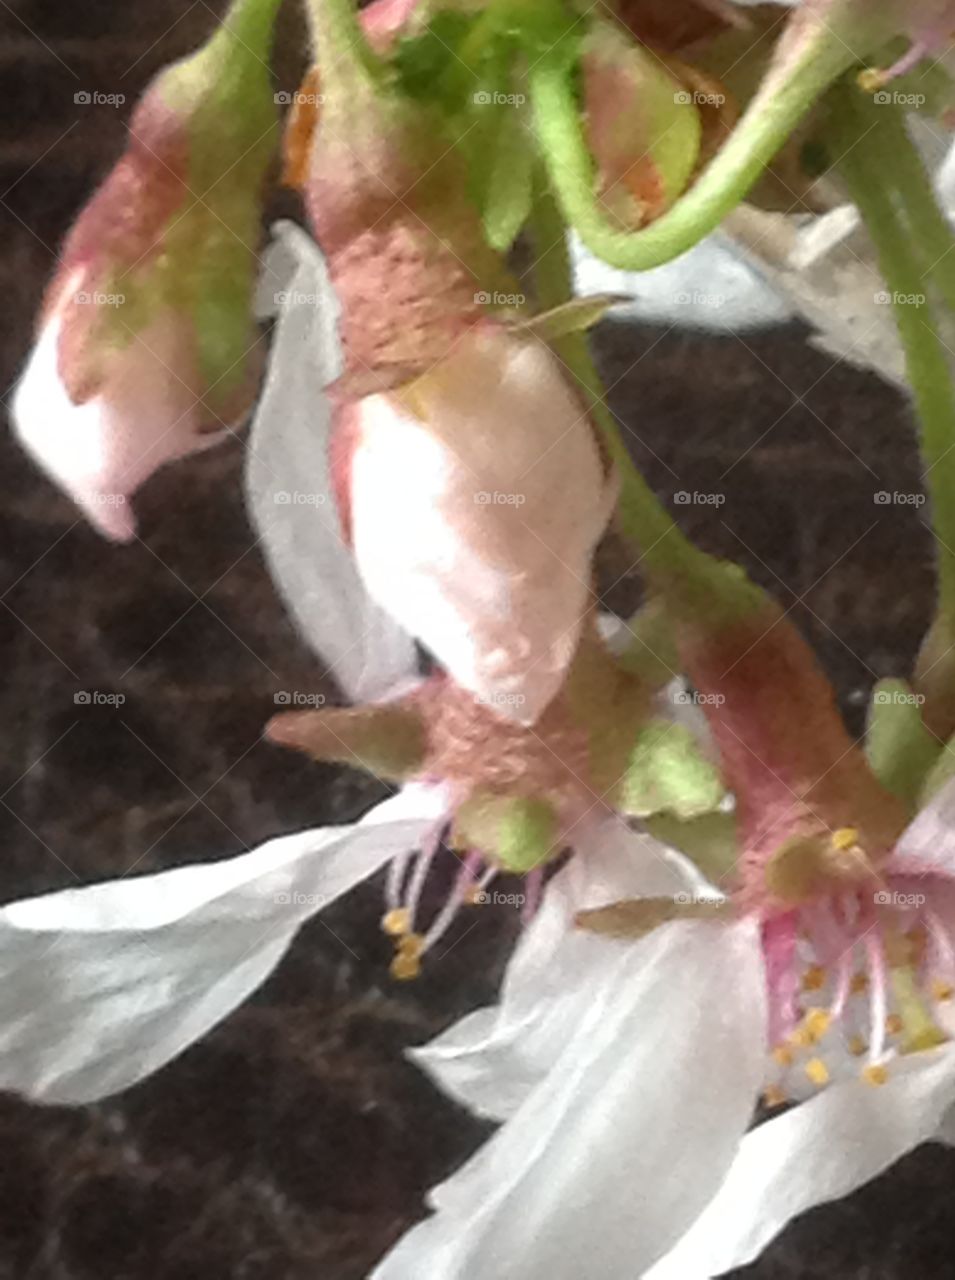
{"type": "Point", "coordinates": [668, 773]}
{"type": "Point", "coordinates": [900, 750]}
{"type": "Point", "coordinates": [709, 841]}
{"type": "Point", "coordinates": [508, 189]}
{"type": "Point", "coordinates": [576, 316]}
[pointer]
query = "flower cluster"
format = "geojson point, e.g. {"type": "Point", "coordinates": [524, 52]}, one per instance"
{"type": "Point", "coordinates": [729, 904]}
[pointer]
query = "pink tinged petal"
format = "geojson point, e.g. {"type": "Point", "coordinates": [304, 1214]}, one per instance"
{"type": "Point", "coordinates": [629, 1135]}
{"type": "Point", "coordinates": [289, 486]}
{"type": "Point", "coordinates": [144, 414]}
{"type": "Point", "coordinates": [101, 986]}
{"type": "Point", "coordinates": [927, 845]}
{"type": "Point", "coordinates": [491, 1060]}
{"type": "Point", "coordinates": [475, 515]}
{"type": "Point", "coordinates": [817, 1152]}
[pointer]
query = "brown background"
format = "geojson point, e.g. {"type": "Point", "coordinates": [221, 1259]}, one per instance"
{"type": "Point", "coordinates": [294, 1141]}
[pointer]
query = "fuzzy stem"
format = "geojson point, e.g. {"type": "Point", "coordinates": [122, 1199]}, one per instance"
{"type": "Point", "coordinates": [781, 102]}
{"type": "Point", "coordinates": [868, 166]}
{"type": "Point", "coordinates": [682, 573]}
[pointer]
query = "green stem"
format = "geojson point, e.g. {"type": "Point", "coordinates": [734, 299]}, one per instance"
{"type": "Point", "coordinates": [342, 52]}
{"type": "Point", "coordinates": [930, 230]}
{"type": "Point", "coordinates": [781, 102]}
{"type": "Point", "coordinates": [867, 166]}
{"type": "Point", "coordinates": [672, 563]}
{"type": "Point", "coordinates": [250, 22]}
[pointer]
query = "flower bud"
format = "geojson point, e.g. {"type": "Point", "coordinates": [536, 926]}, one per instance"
{"type": "Point", "coordinates": [145, 344]}
{"type": "Point", "coordinates": [475, 497]}
{"type": "Point", "coordinates": [643, 127]}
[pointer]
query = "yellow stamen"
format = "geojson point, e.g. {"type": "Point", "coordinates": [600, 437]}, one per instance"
{"type": "Point", "coordinates": [773, 1096]}
{"type": "Point", "coordinates": [816, 1023]}
{"type": "Point", "coordinates": [814, 978]}
{"type": "Point", "coordinates": [817, 1071]}
{"type": "Point", "coordinates": [845, 838]}
{"type": "Point", "coordinates": [870, 80]}
{"type": "Point", "coordinates": [941, 991]}
{"type": "Point", "coordinates": [407, 962]}
{"type": "Point", "coordinates": [893, 1024]}
{"type": "Point", "coordinates": [857, 1046]}
{"type": "Point", "coordinates": [859, 984]}
{"type": "Point", "coordinates": [471, 897]}
{"type": "Point", "coordinates": [876, 1074]}
{"type": "Point", "coordinates": [397, 922]}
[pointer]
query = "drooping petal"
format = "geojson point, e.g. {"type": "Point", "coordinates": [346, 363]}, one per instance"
{"type": "Point", "coordinates": [629, 1135]}
{"type": "Point", "coordinates": [146, 413]}
{"type": "Point", "coordinates": [490, 1060]}
{"type": "Point", "coordinates": [456, 528]}
{"type": "Point", "coordinates": [817, 1152]}
{"type": "Point", "coordinates": [290, 493]}
{"type": "Point", "coordinates": [102, 985]}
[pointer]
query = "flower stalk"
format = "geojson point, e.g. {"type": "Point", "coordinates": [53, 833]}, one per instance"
{"type": "Point", "coordinates": [811, 56]}
{"type": "Point", "coordinates": [914, 250]}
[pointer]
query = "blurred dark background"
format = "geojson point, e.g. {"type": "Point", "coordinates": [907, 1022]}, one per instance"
{"type": "Point", "coordinates": [295, 1141]}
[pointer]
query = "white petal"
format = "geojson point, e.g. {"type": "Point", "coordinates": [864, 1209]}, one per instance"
{"type": "Point", "coordinates": [927, 845]}
{"type": "Point", "coordinates": [100, 986]}
{"type": "Point", "coordinates": [711, 286]}
{"type": "Point", "coordinates": [629, 1135]}
{"type": "Point", "coordinates": [456, 527]}
{"type": "Point", "coordinates": [144, 415]}
{"type": "Point", "coordinates": [290, 494]}
{"type": "Point", "coordinates": [819, 1151]}
{"type": "Point", "coordinates": [490, 1060]}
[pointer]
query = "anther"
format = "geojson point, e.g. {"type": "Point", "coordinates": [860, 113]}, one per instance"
{"type": "Point", "coordinates": [396, 922]}
{"type": "Point", "coordinates": [773, 1096]}
{"type": "Point", "coordinates": [814, 978]}
{"type": "Point", "coordinates": [875, 1074]}
{"type": "Point", "coordinates": [941, 991]}
{"type": "Point", "coordinates": [817, 1071]}
{"type": "Point", "coordinates": [859, 984]}
{"type": "Point", "coordinates": [407, 963]}
{"type": "Point", "coordinates": [857, 1046]}
{"type": "Point", "coordinates": [893, 1024]}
